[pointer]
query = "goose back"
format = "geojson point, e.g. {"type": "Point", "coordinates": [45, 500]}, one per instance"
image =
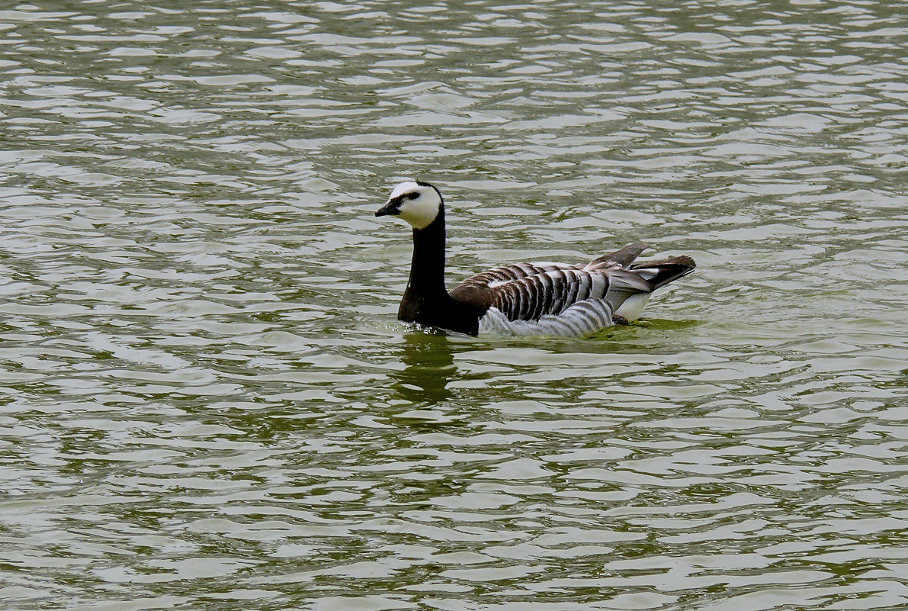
{"type": "Point", "coordinates": [570, 300]}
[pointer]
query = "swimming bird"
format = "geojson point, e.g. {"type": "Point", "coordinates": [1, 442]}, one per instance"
{"type": "Point", "coordinates": [521, 298]}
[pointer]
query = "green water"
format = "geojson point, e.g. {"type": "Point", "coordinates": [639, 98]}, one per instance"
{"type": "Point", "coordinates": [206, 400]}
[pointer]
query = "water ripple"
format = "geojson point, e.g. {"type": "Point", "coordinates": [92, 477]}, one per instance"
{"type": "Point", "coordinates": [205, 399]}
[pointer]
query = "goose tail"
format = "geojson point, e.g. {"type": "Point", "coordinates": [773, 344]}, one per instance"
{"type": "Point", "coordinates": [660, 273]}
{"type": "Point", "coordinates": [622, 257]}
{"type": "Point", "coordinates": [630, 287]}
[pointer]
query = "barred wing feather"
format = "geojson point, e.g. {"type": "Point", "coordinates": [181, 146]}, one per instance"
{"type": "Point", "coordinates": [548, 293]}
{"type": "Point", "coordinates": [567, 300]}
{"type": "Point", "coordinates": [500, 275]}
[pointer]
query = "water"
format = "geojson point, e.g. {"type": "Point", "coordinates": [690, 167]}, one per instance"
{"type": "Point", "coordinates": [206, 401]}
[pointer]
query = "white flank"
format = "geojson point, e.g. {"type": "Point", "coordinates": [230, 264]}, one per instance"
{"type": "Point", "coordinates": [581, 319]}
{"type": "Point", "coordinates": [633, 306]}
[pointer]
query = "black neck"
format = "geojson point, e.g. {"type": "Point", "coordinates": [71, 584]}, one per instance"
{"type": "Point", "coordinates": [427, 270]}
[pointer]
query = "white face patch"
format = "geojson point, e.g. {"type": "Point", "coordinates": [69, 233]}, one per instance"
{"type": "Point", "coordinates": [420, 210]}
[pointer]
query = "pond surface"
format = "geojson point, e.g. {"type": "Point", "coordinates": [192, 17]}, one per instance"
{"type": "Point", "coordinates": [206, 400]}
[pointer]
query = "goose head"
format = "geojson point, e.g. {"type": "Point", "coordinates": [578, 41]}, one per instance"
{"type": "Point", "coordinates": [416, 202]}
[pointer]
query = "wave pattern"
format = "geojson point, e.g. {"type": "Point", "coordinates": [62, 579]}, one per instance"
{"type": "Point", "coordinates": [205, 400]}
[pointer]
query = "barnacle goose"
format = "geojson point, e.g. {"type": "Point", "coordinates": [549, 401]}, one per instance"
{"type": "Point", "coordinates": [522, 298]}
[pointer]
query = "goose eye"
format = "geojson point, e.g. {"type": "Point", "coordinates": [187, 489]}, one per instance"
{"type": "Point", "coordinates": [413, 195]}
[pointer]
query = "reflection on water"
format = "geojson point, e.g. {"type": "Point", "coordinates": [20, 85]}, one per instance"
{"type": "Point", "coordinates": [206, 400]}
{"type": "Point", "coordinates": [428, 366]}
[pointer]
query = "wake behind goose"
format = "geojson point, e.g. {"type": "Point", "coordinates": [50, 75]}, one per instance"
{"type": "Point", "coordinates": [571, 300]}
